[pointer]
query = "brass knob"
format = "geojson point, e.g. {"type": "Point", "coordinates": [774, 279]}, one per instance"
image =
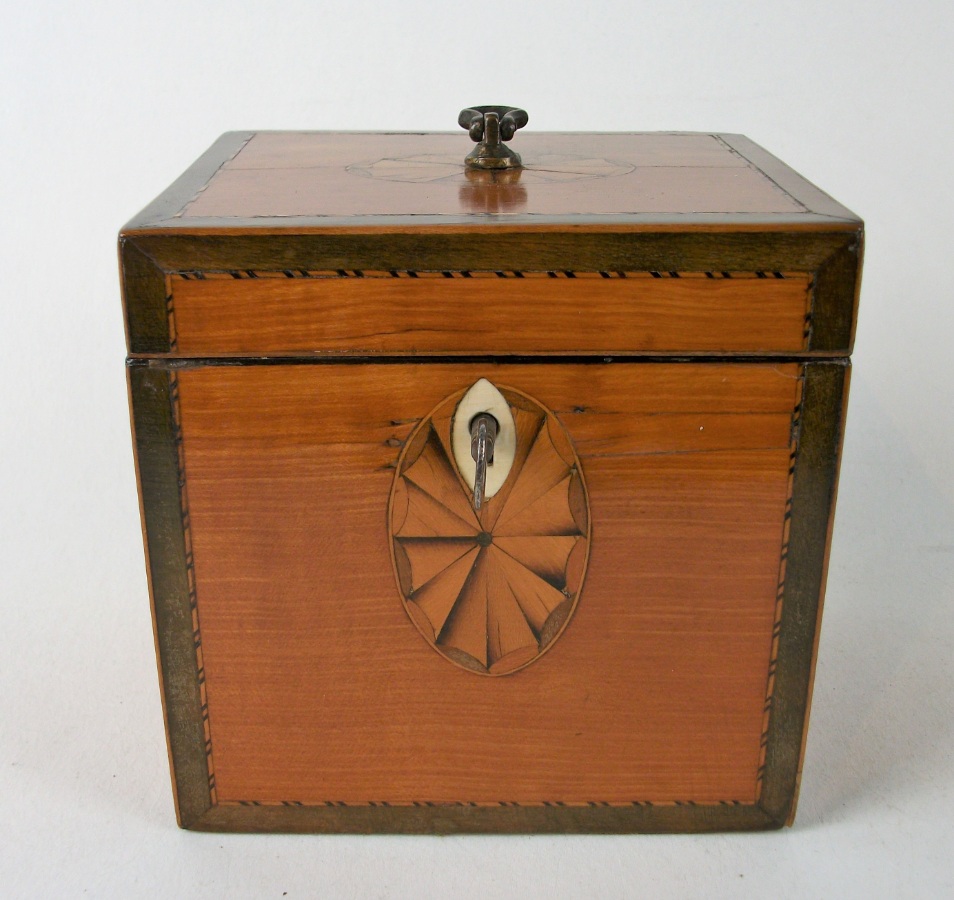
{"type": "Point", "coordinates": [489, 127]}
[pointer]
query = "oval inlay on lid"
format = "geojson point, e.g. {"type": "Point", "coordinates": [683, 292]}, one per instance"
{"type": "Point", "coordinates": [490, 590]}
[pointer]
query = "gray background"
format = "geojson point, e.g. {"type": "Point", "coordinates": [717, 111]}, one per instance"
{"type": "Point", "coordinates": [104, 103]}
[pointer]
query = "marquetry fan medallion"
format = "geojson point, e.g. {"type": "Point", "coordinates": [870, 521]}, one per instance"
{"type": "Point", "coordinates": [490, 589]}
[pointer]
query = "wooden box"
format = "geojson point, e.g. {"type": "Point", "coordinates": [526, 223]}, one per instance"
{"type": "Point", "coordinates": [623, 637]}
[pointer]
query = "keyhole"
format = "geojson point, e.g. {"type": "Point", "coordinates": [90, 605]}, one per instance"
{"type": "Point", "coordinates": [482, 401]}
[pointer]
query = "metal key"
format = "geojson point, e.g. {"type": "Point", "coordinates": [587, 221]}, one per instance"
{"type": "Point", "coordinates": [483, 433]}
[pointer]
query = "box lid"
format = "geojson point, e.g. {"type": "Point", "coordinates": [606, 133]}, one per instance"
{"type": "Point", "coordinates": [366, 179]}
{"type": "Point", "coordinates": [323, 205]}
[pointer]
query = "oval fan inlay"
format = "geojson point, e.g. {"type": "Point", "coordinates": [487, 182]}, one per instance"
{"type": "Point", "coordinates": [491, 589]}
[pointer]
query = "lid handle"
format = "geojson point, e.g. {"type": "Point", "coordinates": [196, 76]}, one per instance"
{"type": "Point", "coordinates": [489, 127]}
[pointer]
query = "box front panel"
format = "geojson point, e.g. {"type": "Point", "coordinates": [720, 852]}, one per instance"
{"type": "Point", "coordinates": [318, 687]}
{"type": "Point", "coordinates": [357, 312]}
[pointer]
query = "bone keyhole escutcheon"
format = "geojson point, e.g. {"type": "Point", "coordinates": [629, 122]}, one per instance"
{"type": "Point", "coordinates": [483, 405]}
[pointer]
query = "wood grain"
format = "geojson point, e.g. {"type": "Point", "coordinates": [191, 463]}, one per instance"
{"type": "Point", "coordinates": [298, 180]}
{"type": "Point", "coordinates": [438, 314]}
{"type": "Point", "coordinates": [314, 174]}
{"type": "Point", "coordinates": [319, 688]}
{"type": "Point", "coordinates": [308, 150]}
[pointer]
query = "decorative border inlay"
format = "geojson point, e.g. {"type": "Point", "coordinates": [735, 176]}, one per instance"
{"type": "Point", "coordinates": [491, 804]}
{"type": "Point", "coordinates": [809, 314]}
{"type": "Point", "coordinates": [171, 316]}
{"type": "Point", "coordinates": [780, 591]}
{"type": "Point", "coordinates": [190, 575]}
{"type": "Point", "coordinates": [208, 275]}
